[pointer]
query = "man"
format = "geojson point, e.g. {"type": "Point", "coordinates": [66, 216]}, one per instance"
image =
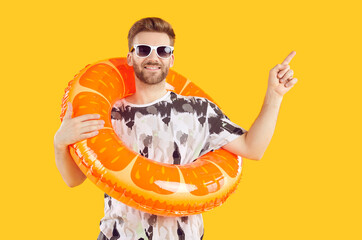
{"type": "Point", "coordinates": [166, 127]}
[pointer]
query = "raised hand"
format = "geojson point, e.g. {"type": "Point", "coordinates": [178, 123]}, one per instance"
{"type": "Point", "coordinates": [281, 76]}
{"type": "Point", "coordinates": [73, 130]}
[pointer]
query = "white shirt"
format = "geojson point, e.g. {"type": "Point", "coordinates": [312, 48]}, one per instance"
{"type": "Point", "coordinates": [172, 129]}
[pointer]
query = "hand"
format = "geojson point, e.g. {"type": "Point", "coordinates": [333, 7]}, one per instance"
{"type": "Point", "coordinates": [73, 130]}
{"type": "Point", "coordinates": [281, 77]}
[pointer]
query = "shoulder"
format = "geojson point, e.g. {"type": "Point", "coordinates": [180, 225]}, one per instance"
{"type": "Point", "coordinates": [196, 102]}
{"type": "Point", "coordinates": [119, 103]}
{"type": "Point", "coordinates": [175, 97]}
{"type": "Point", "coordinates": [189, 103]}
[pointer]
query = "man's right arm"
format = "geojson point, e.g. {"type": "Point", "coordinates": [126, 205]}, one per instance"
{"type": "Point", "coordinates": [73, 130]}
{"type": "Point", "coordinates": [69, 170]}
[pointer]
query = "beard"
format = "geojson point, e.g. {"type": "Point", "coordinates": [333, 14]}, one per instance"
{"type": "Point", "coordinates": [150, 77]}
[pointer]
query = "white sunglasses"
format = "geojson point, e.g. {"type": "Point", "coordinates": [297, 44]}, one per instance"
{"type": "Point", "coordinates": [144, 50]}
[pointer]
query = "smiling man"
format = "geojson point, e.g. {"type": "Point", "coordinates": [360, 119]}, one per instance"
{"type": "Point", "coordinates": [166, 127]}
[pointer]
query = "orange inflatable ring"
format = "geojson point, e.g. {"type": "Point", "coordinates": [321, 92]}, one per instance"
{"type": "Point", "coordinates": [147, 185]}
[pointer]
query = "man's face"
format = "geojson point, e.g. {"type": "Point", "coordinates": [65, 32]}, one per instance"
{"type": "Point", "coordinates": [144, 68]}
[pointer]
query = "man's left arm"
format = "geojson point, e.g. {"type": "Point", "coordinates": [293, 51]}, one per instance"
{"type": "Point", "coordinates": [254, 142]}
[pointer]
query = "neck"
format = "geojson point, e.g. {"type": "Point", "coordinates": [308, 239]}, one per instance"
{"type": "Point", "coordinates": [146, 93]}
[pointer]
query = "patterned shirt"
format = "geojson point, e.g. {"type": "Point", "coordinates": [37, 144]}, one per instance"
{"type": "Point", "coordinates": [173, 129]}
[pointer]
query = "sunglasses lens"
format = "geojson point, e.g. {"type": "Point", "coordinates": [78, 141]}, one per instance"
{"type": "Point", "coordinates": [143, 50]}
{"type": "Point", "coordinates": [164, 51]}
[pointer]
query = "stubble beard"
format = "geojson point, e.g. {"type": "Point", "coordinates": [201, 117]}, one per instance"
{"type": "Point", "coordinates": [148, 77]}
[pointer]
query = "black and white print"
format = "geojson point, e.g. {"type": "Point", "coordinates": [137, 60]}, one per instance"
{"type": "Point", "coordinates": [173, 129]}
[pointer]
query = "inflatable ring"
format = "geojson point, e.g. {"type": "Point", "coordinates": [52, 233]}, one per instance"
{"type": "Point", "coordinates": [147, 185]}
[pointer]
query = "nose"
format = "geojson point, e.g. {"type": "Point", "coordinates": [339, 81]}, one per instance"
{"type": "Point", "coordinates": [153, 54]}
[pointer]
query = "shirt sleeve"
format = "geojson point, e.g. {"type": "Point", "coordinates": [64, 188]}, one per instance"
{"type": "Point", "coordinates": [221, 129]}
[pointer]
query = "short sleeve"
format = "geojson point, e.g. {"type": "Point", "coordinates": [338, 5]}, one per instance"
{"type": "Point", "coordinates": [221, 129]}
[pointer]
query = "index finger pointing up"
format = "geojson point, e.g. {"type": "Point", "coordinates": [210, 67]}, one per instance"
{"type": "Point", "coordinates": [289, 58]}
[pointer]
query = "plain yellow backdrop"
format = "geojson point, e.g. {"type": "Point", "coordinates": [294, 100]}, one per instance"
{"type": "Point", "coordinates": [308, 183]}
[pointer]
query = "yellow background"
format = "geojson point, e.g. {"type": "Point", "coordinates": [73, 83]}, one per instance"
{"type": "Point", "coordinates": [307, 185]}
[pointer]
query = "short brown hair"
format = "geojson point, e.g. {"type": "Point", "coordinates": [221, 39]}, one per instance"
{"type": "Point", "coordinates": [150, 24]}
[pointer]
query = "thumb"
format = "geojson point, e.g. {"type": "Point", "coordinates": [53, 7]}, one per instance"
{"type": "Point", "coordinates": [69, 112]}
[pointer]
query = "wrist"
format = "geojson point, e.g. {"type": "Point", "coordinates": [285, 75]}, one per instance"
{"type": "Point", "coordinates": [59, 146]}
{"type": "Point", "coordinates": [271, 97]}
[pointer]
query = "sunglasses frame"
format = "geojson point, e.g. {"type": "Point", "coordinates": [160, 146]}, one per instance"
{"type": "Point", "coordinates": [152, 48]}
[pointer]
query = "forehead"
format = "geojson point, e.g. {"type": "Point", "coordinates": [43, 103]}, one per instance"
{"type": "Point", "coordinates": [151, 38]}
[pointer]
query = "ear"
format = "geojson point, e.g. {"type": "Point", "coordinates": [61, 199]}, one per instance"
{"type": "Point", "coordinates": [172, 60]}
{"type": "Point", "coordinates": [129, 59]}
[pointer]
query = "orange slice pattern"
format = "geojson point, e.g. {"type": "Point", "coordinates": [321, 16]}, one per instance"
{"type": "Point", "coordinates": [154, 187]}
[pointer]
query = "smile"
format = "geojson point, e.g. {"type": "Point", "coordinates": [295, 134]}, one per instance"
{"type": "Point", "coordinates": [152, 68]}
